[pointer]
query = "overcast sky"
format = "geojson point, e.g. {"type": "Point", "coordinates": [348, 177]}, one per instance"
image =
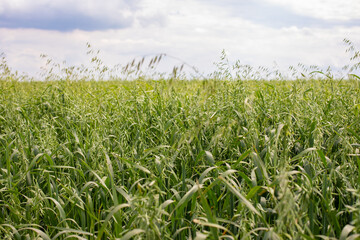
{"type": "Point", "coordinates": [256, 32]}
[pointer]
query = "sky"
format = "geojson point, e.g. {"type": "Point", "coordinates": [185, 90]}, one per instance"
{"type": "Point", "coordinates": [257, 32]}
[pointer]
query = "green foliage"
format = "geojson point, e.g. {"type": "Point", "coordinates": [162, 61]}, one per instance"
{"type": "Point", "coordinates": [178, 159]}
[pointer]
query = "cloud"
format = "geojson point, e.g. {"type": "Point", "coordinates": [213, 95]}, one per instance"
{"type": "Point", "coordinates": [67, 15]}
{"type": "Point", "coordinates": [193, 30]}
{"type": "Point", "coordinates": [198, 44]}
{"type": "Point", "coordinates": [330, 10]}
{"type": "Point", "coordinates": [280, 14]}
{"type": "Point", "coordinates": [90, 15]}
{"type": "Point", "coordinates": [61, 21]}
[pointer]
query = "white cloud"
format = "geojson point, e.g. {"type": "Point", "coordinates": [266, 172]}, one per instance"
{"type": "Point", "coordinates": [92, 7]}
{"type": "Point", "coordinates": [333, 10]}
{"type": "Point", "coordinates": [191, 30]}
{"type": "Point", "coordinates": [67, 15]}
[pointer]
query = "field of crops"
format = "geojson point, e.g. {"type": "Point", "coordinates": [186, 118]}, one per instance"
{"type": "Point", "coordinates": [201, 159]}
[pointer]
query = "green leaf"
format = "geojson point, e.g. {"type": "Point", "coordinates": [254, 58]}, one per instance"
{"type": "Point", "coordinates": [345, 232]}
{"type": "Point", "coordinates": [187, 196]}
{"type": "Point", "coordinates": [243, 156]}
{"type": "Point", "coordinates": [38, 231]}
{"type": "Point", "coordinates": [209, 215]}
{"type": "Point", "coordinates": [210, 158]}
{"type": "Point", "coordinates": [253, 191]}
{"type": "Point", "coordinates": [322, 157]}
{"type": "Point", "coordinates": [59, 207]}
{"type": "Point", "coordinates": [131, 234]}
{"type": "Point", "coordinates": [240, 196]}
{"type": "Point", "coordinates": [212, 225]}
{"type": "Point", "coordinates": [108, 217]}
{"type": "Point", "coordinates": [300, 155]}
{"type": "Point", "coordinates": [203, 175]}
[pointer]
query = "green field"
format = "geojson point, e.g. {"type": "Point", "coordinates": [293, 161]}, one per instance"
{"type": "Point", "coordinates": [201, 159]}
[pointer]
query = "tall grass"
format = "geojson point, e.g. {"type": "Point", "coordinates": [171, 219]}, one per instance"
{"type": "Point", "coordinates": [174, 159]}
{"type": "Point", "coordinates": [233, 156]}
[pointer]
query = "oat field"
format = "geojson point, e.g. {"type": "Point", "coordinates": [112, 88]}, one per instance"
{"type": "Point", "coordinates": [173, 159]}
